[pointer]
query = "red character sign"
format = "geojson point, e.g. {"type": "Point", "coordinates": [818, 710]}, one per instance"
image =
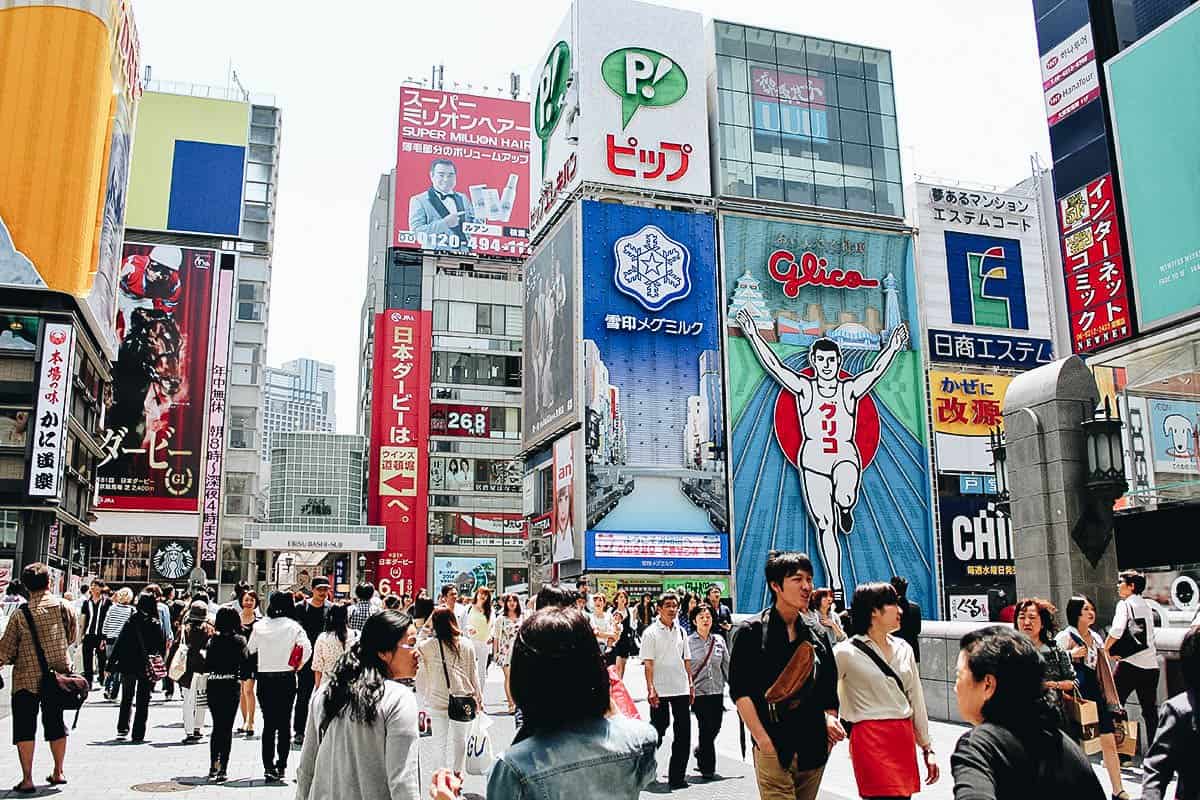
{"type": "Point", "coordinates": [399, 446]}
{"type": "Point", "coordinates": [811, 270]}
{"type": "Point", "coordinates": [649, 164]}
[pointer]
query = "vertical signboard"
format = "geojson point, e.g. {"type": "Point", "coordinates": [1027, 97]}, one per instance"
{"type": "Point", "coordinates": [53, 407]}
{"type": "Point", "coordinates": [983, 280]}
{"type": "Point", "coordinates": [655, 427]}
{"type": "Point", "coordinates": [635, 113]}
{"type": "Point", "coordinates": [462, 169]}
{"type": "Point", "coordinates": [1155, 131]}
{"type": "Point", "coordinates": [965, 409]}
{"type": "Point", "coordinates": [551, 331]}
{"type": "Point", "coordinates": [977, 554]}
{"type": "Point", "coordinates": [827, 405]}
{"type": "Point", "coordinates": [210, 543]}
{"type": "Point", "coordinates": [566, 537]}
{"type": "Point", "coordinates": [399, 446]}
{"type": "Point", "coordinates": [155, 426]}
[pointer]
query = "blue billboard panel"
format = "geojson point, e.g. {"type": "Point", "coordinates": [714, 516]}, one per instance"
{"type": "Point", "coordinates": [829, 448]}
{"type": "Point", "coordinates": [654, 421]}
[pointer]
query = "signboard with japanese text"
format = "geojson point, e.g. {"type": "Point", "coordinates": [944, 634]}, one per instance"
{"type": "Point", "coordinates": [1146, 83]}
{"type": "Point", "coordinates": [1174, 427]}
{"type": "Point", "coordinates": [657, 552]}
{"type": "Point", "coordinates": [551, 336]}
{"type": "Point", "coordinates": [967, 608]}
{"type": "Point", "coordinates": [977, 484]}
{"type": "Point", "coordinates": [654, 419]}
{"type": "Point", "coordinates": [462, 166]}
{"type": "Point", "coordinates": [214, 458]}
{"type": "Point", "coordinates": [155, 426]}
{"type": "Point", "coordinates": [453, 473]}
{"type": "Point", "coordinates": [827, 410]}
{"type": "Point", "coordinates": [477, 529]}
{"type": "Point", "coordinates": [982, 276]}
{"type": "Point", "coordinates": [976, 546]}
{"type": "Point", "coordinates": [49, 435]}
{"type": "Point", "coordinates": [399, 446]}
{"type": "Point", "coordinates": [789, 102]}
{"type": "Point", "coordinates": [460, 420]}
{"type": "Point", "coordinates": [635, 114]}
{"type": "Point", "coordinates": [966, 407]}
{"type": "Point", "coordinates": [1072, 93]}
{"type": "Point", "coordinates": [1067, 57]}
{"type": "Point", "coordinates": [1098, 297]}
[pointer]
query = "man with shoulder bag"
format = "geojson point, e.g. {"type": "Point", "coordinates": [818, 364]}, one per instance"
{"type": "Point", "coordinates": [1131, 642]}
{"type": "Point", "coordinates": [783, 680]}
{"type": "Point", "coordinates": [35, 643]}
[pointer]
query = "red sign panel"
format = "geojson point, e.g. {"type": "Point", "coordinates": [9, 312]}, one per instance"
{"type": "Point", "coordinates": [399, 446]}
{"type": "Point", "coordinates": [155, 427]}
{"type": "Point", "coordinates": [460, 420]}
{"type": "Point", "coordinates": [1097, 284]}
{"type": "Point", "coordinates": [788, 87]}
{"type": "Point", "coordinates": [462, 173]}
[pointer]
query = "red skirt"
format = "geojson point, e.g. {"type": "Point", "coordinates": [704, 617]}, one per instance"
{"type": "Point", "coordinates": [884, 755]}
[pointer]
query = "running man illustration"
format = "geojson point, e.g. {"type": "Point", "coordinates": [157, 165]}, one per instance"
{"type": "Point", "coordinates": [827, 404]}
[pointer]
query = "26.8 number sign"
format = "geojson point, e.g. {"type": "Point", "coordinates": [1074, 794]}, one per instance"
{"type": "Point", "coordinates": [473, 421]}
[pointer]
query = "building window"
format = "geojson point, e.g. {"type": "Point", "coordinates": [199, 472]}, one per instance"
{"type": "Point", "coordinates": [242, 427]}
{"type": "Point", "coordinates": [477, 369]}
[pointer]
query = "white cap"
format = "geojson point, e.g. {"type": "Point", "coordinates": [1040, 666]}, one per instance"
{"type": "Point", "coordinates": [167, 255]}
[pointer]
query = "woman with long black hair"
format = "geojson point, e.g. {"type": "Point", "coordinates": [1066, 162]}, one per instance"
{"type": "Point", "coordinates": [1016, 750]}
{"type": "Point", "coordinates": [225, 663]}
{"type": "Point", "coordinates": [140, 638]}
{"type": "Point", "coordinates": [336, 639]}
{"type": "Point", "coordinates": [274, 639]}
{"type": "Point", "coordinates": [360, 743]}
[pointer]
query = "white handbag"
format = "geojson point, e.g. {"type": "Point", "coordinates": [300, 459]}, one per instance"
{"type": "Point", "coordinates": [480, 756]}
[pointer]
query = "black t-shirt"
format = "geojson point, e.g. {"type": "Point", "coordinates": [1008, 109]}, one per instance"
{"type": "Point", "coordinates": [991, 763]}
{"type": "Point", "coordinates": [312, 619]}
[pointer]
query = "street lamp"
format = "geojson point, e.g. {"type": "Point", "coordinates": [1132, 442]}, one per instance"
{"type": "Point", "coordinates": [1104, 481]}
{"type": "Point", "coordinates": [362, 562]}
{"type": "Point", "coordinates": [999, 451]}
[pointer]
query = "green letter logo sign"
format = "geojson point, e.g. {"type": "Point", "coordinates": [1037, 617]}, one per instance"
{"type": "Point", "coordinates": [552, 86]}
{"type": "Point", "coordinates": [642, 77]}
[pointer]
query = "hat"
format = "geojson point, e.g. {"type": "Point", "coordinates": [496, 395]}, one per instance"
{"type": "Point", "coordinates": [320, 581]}
{"type": "Point", "coordinates": [198, 612]}
{"type": "Point", "coordinates": [168, 256]}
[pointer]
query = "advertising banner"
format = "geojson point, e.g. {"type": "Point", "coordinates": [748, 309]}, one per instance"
{"type": "Point", "coordinates": [462, 169]}
{"type": "Point", "coordinates": [1068, 56]}
{"type": "Point", "coordinates": [636, 114]}
{"type": "Point", "coordinates": [475, 474]}
{"type": "Point", "coordinates": [982, 277]}
{"type": "Point", "coordinates": [460, 420]}
{"type": "Point", "coordinates": [966, 409]}
{"type": "Point", "coordinates": [827, 404]}
{"type": "Point", "coordinates": [789, 102]}
{"type": "Point", "coordinates": [214, 458]}
{"type": "Point", "coordinates": [52, 410]}
{"type": "Point", "coordinates": [487, 529]}
{"type": "Point", "coordinates": [155, 427]}
{"type": "Point", "coordinates": [399, 446]}
{"type": "Point", "coordinates": [976, 546]}
{"type": "Point", "coordinates": [551, 328]}
{"type": "Point", "coordinates": [1098, 297]}
{"type": "Point", "coordinates": [1173, 435]}
{"type": "Point", "coordinates": [468, 573]}
{"type": "Point", "coordinates": [67, 108]}
{"type": "Point", "coordinates": [566, 540]}
{"type": "Point", "coordinates": [1158, 179]}
{"type": "Point", "coordinates": [655, 427]}
{"type": "Point", "coordinates": [1135, 440]}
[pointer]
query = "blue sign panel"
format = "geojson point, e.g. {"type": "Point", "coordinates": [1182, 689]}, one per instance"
{"type": "Point", "coordinates": [977, 484]}
{"type": "Point", "coordinates": [654, 419]}
{"type": "Point", "coordinates": [987, 281]}
{"type": "Point", "coordinates": [965, 347]}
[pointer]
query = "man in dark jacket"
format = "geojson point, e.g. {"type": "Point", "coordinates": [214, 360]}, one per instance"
{"type": "Point", "coordinates": [91, 617]}
{"type": "Point", "coordinates": [311, 616]}
{"type": "Point", "coordinates": [1176, 746]}
{"type": "Point", "coordinates": [910, 617]}
{"type": "Point", "coordinates": [792, 738]}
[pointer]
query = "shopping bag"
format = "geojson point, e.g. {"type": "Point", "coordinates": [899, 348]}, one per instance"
{"type": "Point", "coordinates": [178, 663]}
{"type": "Point", "coordinates": [479, 747]}
{"type": "Point", "coordinates": [1128, 745]}
{"type": "Point", "coordinates": [200, 689]}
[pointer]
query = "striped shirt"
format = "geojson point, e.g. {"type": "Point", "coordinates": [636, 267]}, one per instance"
{"type": "Point", "coordinates": [115, 620]}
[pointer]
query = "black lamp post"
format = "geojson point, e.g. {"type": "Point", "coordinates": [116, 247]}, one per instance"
{"type": "Point", "coordinates": [1104, 481]}
{"type": "Point", "coordinates": [996, 443]}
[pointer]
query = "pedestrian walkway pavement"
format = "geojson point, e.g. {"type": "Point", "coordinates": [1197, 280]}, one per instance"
{"type": "Point", "coordinates": [98, 766]}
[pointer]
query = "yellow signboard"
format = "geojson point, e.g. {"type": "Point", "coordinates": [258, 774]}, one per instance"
{"type": "Point", "coordinates": [966, 404]}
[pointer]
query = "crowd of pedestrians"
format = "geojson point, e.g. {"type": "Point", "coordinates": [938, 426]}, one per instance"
{"type": "Point", "coordinates": [383, 694]}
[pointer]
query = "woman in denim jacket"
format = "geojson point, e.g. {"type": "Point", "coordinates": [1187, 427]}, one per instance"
{"type": "Point", "coordinates": [568, 745]}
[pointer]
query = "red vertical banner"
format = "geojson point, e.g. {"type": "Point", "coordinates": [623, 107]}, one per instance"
{"type": "Point", "coordinates": [400, 447]}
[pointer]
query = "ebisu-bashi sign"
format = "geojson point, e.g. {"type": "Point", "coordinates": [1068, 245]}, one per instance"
{"type": "Point", "coordinates": [620, 99]}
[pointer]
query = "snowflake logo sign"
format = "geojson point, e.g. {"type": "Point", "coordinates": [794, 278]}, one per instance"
{"type": "Point", "coordinates": [652, 268]}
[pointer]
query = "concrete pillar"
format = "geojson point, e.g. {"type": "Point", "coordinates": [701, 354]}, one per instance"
{"type": "Point", "coordinates": [1043, 412]}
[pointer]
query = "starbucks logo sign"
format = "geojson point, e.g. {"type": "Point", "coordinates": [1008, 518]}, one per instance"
{"type": "Point", "coordinates": [173, 561]}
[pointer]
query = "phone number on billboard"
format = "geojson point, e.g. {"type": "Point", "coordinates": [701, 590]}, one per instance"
{"type": "Point", "coordinates": [479, 244]}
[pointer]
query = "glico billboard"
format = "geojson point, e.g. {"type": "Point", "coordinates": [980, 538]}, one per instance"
{"type": "Point", "coordinates": [399, 466]}
{"type": "Point", "coordinates": [68, 108]}
{"type": "Point", "coordinates": [462, 173]}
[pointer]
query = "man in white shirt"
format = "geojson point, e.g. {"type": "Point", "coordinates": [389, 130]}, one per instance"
{"type": "Point", "coordinates": [449, 597]}
{"type": "Point", "coordinates": [1136, 671]}
{"type": "Point", "coordinates": [669, 684]}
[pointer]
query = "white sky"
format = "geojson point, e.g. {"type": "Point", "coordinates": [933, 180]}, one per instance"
{"type": "Point", "coordinates": [968, 94]}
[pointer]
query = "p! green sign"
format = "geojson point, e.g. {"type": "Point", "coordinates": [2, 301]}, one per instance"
{"type": "Point", "coordinates": [642, 77]}
{"type": "Point", "coordinates": [551, 91]}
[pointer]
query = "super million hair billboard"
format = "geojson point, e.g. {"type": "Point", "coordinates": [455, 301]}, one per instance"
{"type": "Point", "coordinates": [829, 448]}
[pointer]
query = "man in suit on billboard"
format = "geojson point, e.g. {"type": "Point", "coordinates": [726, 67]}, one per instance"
{"type": "Point", "coordinates": [440, 210]}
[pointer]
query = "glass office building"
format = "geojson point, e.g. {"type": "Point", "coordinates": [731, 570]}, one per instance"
{"type": "Point", "coordinates": [806, 121]}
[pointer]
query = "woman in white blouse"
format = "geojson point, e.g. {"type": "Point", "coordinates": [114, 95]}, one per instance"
{"type": "Point", "coordinates": [336, 640]}
{"type": "Point", "coordinates": [879, 690]}
{"type": "Point", "coordinates": [446, 666]}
